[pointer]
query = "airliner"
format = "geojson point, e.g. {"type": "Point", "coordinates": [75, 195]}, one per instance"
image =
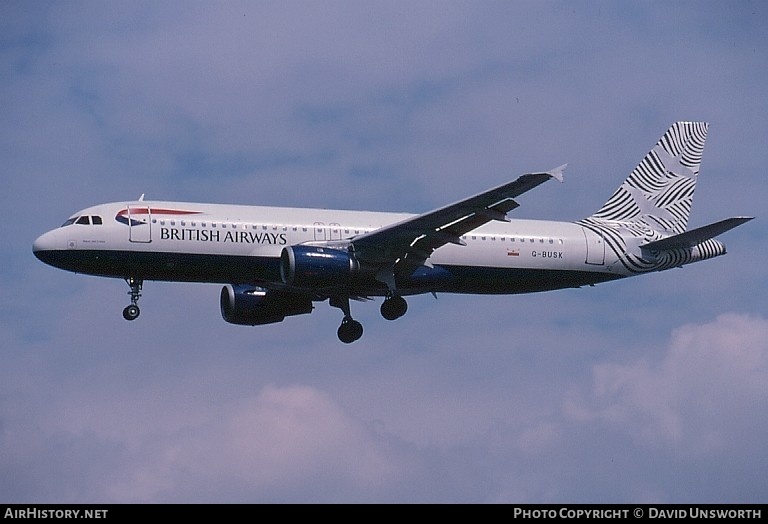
{"type": "Point", "coordinates": [276, 262]}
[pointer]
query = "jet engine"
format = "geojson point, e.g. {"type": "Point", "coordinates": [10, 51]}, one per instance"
{"type": "Point", "coordinates": [252, 305]}
{"type": "Point", "coordinates": [313, 267]}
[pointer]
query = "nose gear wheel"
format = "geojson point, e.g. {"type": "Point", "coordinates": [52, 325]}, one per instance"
{"type": "Point", "coordinates": [132, 311]}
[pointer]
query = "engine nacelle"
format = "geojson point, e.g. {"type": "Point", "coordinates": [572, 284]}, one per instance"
{"type": "Point", "coordinates": [314, 267]}
{"type": "Point", "coordinates": [252, 305]}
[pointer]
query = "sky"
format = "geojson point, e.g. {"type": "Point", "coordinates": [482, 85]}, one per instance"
{"type": "Point", "coordinates": [650, 390]}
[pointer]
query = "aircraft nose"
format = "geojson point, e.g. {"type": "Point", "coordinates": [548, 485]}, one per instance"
{"type": "Point", "coordinates": [44, 245]}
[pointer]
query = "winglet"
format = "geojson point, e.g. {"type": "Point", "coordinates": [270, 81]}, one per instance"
{"type": "Point", "coordinates": [557, 173]}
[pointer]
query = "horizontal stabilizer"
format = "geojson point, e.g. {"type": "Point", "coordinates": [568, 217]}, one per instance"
{"type": "Point", "coordinates": [696, 236]}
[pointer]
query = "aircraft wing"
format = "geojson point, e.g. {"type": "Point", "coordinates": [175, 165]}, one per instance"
{"type": "Point", "coordinates": [409, 243]}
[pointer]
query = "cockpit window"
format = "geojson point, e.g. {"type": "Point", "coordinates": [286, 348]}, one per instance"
{"type": "Point", "coordinates": [84, 220]}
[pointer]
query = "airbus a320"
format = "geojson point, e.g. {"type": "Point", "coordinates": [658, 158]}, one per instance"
{"type": "Point", "coordinates": [278, 262]}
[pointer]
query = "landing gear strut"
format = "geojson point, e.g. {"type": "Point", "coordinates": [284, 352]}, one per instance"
{"type": "Point", "coordinates": [350, 329]}
{"type": "Point", "coordinates": [393, 307]}
{"type": "Point", "coordinates": [132, 312]}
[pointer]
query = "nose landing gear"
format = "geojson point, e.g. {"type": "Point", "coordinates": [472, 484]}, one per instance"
{"type": "Point", "coordinates": [132, 312]}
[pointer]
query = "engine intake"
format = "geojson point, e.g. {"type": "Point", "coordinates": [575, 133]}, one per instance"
{"type": "Point", "coordinates": [313, 267]}
{"type": "Point", "coordinates": [252, 305]}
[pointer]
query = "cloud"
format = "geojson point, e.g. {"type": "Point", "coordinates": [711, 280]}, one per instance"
{"type": "Point", "coordinates": [290, 443]}
{"type": "Point", "coordinates": [283, 441]}
{"type": "Point", "coordinates": [703, 399]}
{"type": "Point", "coordinates": [535, 424]}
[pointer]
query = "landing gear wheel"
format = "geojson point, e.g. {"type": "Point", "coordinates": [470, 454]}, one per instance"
{"type": "Point", "coordinates": [131, 312]}
{"type": "Point", "coordinates": [350, 330]}
{"type": "Point", "coordinates": [394, 307]}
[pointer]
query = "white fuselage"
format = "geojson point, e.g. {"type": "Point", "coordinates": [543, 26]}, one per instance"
{"type": "Point", "coordinates": [178, 241]}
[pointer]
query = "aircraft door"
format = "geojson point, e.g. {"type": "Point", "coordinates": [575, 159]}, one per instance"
{"type": "Point", "coordinates": [595, 247]}
{"type": "Point", "coordinates": [139, 224]}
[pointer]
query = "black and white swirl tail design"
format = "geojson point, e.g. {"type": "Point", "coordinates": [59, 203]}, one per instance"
{"type": "Point", "coordinates": [644, 224]}
{"type": "Point", "coordinates": [659, 191]}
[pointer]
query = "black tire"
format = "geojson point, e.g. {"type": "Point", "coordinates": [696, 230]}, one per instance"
{"type": "Point", "coordinates": [131, 312]}
{"type": "Point", "coordinates": [349, 331]}
{"type": "Point", "coordinates": [394, 307]}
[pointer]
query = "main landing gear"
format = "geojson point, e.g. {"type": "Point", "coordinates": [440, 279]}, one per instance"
{"type": "Point", "coordinates": [132, 312]}
{"type": "Point", "coordinates": [350, 330]}
{"type": "Point", "coordinates": [393, 307]}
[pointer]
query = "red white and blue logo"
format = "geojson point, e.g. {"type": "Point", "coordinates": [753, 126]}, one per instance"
{"type": "Point", "coordinates": [133, 216]}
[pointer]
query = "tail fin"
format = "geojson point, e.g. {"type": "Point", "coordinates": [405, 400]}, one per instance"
{"type": "Point", "coordinates": [659, 191]}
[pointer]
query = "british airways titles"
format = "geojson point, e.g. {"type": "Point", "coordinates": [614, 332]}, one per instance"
{"type": "Point", "coordinates": [215, 235]}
